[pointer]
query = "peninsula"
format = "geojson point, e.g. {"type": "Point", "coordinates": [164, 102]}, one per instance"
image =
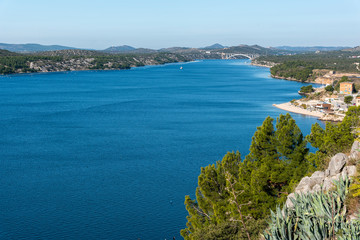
{"type": "Point", "coordinates": [28, 58]}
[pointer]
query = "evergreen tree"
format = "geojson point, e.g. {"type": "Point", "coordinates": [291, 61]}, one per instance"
{"type": "Point", "coordinates": [212, 196]}
{"type": "Point", "coordinates": [333, 139]}
{"type": "Point", "coordinates": [231, 190]}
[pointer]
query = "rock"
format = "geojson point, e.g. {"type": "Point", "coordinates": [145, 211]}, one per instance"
{"type": "Point", "coordinates": [317, 177]}
{"type": "Point", "coordinates": [303, 189]}
{"type": "Point", "coordinates": [305, 184]}
{"type": "Point", "coordinates": [355, 150]}
{"type": "Point", "coordinates": [349, 171]}
{"type": "Point", "coordinates": [327, 172]}
{"type": "Point", "coordinates": [288, 202]}
{"type": "Point", "coordinates": [316, 188]}
{"type": "Point", "coordinates": [336, 177]}
{"type": "Point", "coordinates": [337, 163]}
{"type": "Point", "coordinates": [327, 184]}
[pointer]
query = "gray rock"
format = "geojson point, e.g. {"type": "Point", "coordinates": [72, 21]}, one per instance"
{"type": "Point", "coordinates": [349, 171]}
{"type": "Point", "coordinates": [337, 176]}
{"type": "Point", "coordinates": [355, 150]}
{"type": "Point", "coordinates": [327, 184]}
{"type": "Point", "coordinates": [337, 163]}
{"type": "Point", "coordinates": [317, 177]}
{"type": "Point", "coordinates": [288, 202]}
{"type": "Point", "coordinates": [355, 147]}
{"type": "Point", "coordinates": [316, 188]}
{"type": "Point", "coordinates": [305, 185]}
{"type": "Point", "coordinates": [303, 189]}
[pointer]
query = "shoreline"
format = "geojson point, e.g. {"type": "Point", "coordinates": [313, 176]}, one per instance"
{"type": "Point", "coordinates": [291, 108]}
{"type": "Point", "coordinates": [83, 70]}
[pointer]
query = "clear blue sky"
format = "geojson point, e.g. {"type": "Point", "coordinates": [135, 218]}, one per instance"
{"type": "Point", "coordinates": [159, 23]}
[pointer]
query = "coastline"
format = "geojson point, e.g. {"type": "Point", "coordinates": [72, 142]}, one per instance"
{"type": "Point", "coordinates": [90, 69]}
{"type": "Point", "coordinates": [291, 108]}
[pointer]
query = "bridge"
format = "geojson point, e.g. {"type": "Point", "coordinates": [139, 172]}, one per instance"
{"type": "Point", "coordinates": [233, 55]}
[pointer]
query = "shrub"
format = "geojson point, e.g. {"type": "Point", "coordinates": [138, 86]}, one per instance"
{"type": "Point", "coordinates": [348, 99]}
{"type": "Point", "coordinates": [307, 89]}
{"type": "Point", "coordinates": [329, 88]}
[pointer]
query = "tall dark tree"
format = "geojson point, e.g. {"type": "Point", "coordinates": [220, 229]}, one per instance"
{"type": "Point", "coordinates": [231, 190]}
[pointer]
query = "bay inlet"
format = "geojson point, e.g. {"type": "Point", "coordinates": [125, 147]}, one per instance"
{"type": "Point", "coordinates": [112, 154]}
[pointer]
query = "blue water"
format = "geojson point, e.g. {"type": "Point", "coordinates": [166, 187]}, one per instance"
{"type": "Point", "coordinates": [111, 154]}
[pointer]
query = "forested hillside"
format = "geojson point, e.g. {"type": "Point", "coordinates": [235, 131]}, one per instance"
{"type": "Point", "coordinates": [300, 66]}
{"type": "Point", "coordinates": [69, 60]}
{"type": "Point", "coordinates": [234, 197]}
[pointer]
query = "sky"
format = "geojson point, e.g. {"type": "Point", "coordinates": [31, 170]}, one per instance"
{"type": "Point", "coordinates": [187, 23]}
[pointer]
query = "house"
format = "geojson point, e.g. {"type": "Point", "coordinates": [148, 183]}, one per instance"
{"type": "Point", "coordinates": [327, 107]}
{"type": "Point", "coordinates": [324, 107]}
{"type": "Point", "coordinates": [346, 87]}
{"type": "Point", "coordinates": [357, 101]}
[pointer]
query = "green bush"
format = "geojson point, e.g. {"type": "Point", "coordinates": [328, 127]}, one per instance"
{"type": "Point", "coordinates": [329, 88]}
{"type": "Point", "coordinates": [307, 89]}
{"type": "Point", "coordinates": [348, 99]}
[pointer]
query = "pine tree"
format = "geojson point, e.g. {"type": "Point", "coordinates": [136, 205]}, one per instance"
{"type": "Point", "coordinates": [231, 190]}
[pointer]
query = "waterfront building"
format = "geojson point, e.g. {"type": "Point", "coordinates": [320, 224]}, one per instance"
{"type": "Point", "coordinates": [346, 87]}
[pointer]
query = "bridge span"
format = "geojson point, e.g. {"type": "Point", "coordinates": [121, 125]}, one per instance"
{"type": "Point", "coordinates": [233, 55]}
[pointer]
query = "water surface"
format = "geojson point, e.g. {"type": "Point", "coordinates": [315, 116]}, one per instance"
{"type": "Point", "coordinates": [111, 154]}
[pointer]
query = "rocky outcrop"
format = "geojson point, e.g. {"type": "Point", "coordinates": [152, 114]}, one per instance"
{"type": "Point", "coordinates": [339, 166]}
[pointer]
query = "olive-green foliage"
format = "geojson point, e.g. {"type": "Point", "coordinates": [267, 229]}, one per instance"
{"type": "Point", "coordinates": [329, 88]}
{"type": "Point", "coordinates": [275, 163]}
{"type": "Point", "coordinates": [230, 230]}
{"type": "Point", "coordinates": [334, 60]}
{"type": "Point", "coordinates": [355, 187]}
{"type": "Point", "coordinates": [10, 64]}
{"type": "Point", "coordinates": [333, 139]}
{"type": "Point", "coordinates": [315, 216]}
{"type": "Point", "coordinates": [298, 70]}
{"type": "Point", "coordinates": [348, 99]}
{"type": "Point", "coordinates": [21, 63]}
{"type": "Point", "coordinates": [307, 89]}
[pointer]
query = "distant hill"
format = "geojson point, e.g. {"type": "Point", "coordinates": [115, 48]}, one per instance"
{"type": "Point", "coordinates": [215, 46]}
{"type": "Point", "coordinates": [174, 49]}
{"type": "Point", "coordinates": [310, 49]}
{"type": "Point", "coordinates": [120, 49]}
{"type": "Point", "coordinates": [252, 49]}
{"type": "Point", "coordinates": [7, 53]}
{"type": "Point", "coordinates": [143, 50]}
{"type": "Point", "coordinates": [128, 49]}
{"type": "Point", "coordinates": [31, 47]}
{"type": "Point", "coordinates": [70, 53]}
{"type": "Point", "coordinates": [355, 49]}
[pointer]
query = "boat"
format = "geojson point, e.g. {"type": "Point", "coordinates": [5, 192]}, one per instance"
{"type": "Point", "coordinates": [181, 68]}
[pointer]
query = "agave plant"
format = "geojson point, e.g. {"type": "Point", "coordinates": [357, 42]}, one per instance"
{"type": "Point", "coordinates": [320, 215]}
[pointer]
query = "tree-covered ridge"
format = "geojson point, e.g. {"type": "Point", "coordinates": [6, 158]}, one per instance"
{"type": "Point", "coordinates": [67, 60]}
{"type": "Point", "coordinates": [7, 53]}
{"type": "Point", "coordinates": [234, 197]}
{"type": "Point", "coordinates": [300, 66]}
{"type": "Point", "coordinates": [298, 70]}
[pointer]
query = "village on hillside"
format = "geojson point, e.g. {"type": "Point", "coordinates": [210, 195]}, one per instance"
{"type": "Point", "coordinates": [329, 102]}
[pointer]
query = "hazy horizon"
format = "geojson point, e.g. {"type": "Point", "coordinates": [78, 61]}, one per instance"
{"type": "Point", "coordinates": [177, 46]}
{"type": "Point", "coordinates": [162, 24]}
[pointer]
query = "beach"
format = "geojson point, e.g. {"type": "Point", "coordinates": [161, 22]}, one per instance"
{"type": "Point", "coordinates": [291, 108]}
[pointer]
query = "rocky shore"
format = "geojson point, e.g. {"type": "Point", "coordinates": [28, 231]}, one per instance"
{"type": "Point", "coordinates": [262, 64]}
